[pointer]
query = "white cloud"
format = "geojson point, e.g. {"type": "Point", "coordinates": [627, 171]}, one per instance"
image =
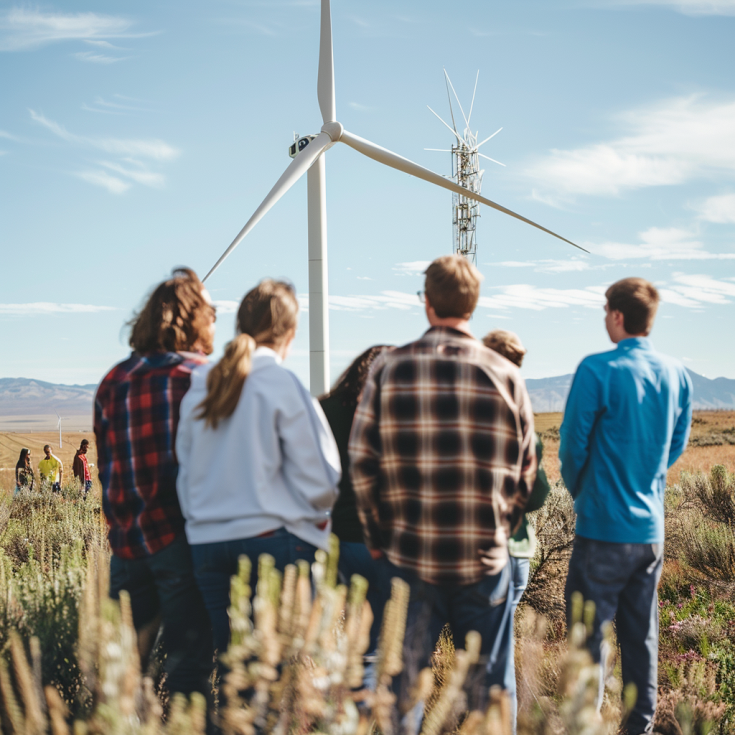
{"type": "Point", "coordinates": [155, 149]}
{"type": "Point", "coordinates": [688, 7]}
{"type": "Point", "coordinates": [665, 144]}
{"type": "Point", "coordinates": [412, 268]}
{"type": "Point", "coordinates": [719, 209]}
{"type": "Point", "coordinates": [572, 265]}
{"type": "Point", "coordinates": [6, 135]}
{"type": "Point", "coordinates": [103, 179]}
{"type": "Point", "coordinates": [45, 307]}
{"type": "Point", "coordinates": [25, 28]}
{"type": "Point", "coordinates": [92, 58]}
{"type": "Point", "coordinates": [227, 307]}
{"type": "Point", "coordinates": [147, 178]}
{"type": "Point", "coordinates": [526, 296]}
{"type": "Point", "coordinates": [661, 243]}
{"type": "Point", "coordinates": [694, 290]}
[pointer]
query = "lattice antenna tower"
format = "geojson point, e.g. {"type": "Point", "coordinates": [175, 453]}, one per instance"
{"type": "Point", "coordinates": [466, 172]}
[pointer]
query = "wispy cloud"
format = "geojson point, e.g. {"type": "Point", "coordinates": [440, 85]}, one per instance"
{"type": "Point", "coordinates": [665, 144]}
{"type": "Point", "coordinates": [139, 175]}
{"type": "Point", "coordinates": [688, 7]}
{"type": "Point", "coordinates": [573, 265]}
{"type": "Point", "coordinates": [696, 291]}
{"type": "Point", "coordinates": [360, 108]}
{"type": "Point", "coordinates": [527, 296]}
{"type": "Point", "coordinates": [719, 209]}
{"type": "Point", "coordinates": [119, 107]}
{"type": "Point", "coordinates": [105, 180]}
{"type": "Point", "coordinates": [92, 58]}
{"type": "Point", "coordinates": [661, 243]}
{"type": "Point", "coordinates": [7, 136]}
{"type": "Point", "coordinates": [46, 307]}
{"type": "Point", "coordinates": [24, 28]}
{"type": "Point", "coordinates": [156, 149]}
{"type": "Point", "coordinates": [411, 268]}
{"type": "Point", "coordinates": [104, 44]}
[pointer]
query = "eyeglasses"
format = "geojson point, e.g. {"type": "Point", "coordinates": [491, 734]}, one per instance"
{"type": "Point", "coordinates": [422, 296]}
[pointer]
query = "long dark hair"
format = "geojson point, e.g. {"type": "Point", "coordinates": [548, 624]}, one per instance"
{"type": "Point", "coordinates": [348, 387]}
{"type": "Point", "coordinates": [21, 464]}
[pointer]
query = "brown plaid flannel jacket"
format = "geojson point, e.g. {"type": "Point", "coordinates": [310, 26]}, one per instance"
{"type": "Point", "coordinates": [442, 455]}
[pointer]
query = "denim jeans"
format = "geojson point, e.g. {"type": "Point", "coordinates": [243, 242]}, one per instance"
{"type": "Point", "coordinates": [502, 670]}
{"type": "Point", "coordinates": [354, 558]}
{"type": "Point", "coordinates": [622, 579]}
{"type": "Point", "coordinates": [164, 584]}
{"type": "Point", "coordinates": [215, 563]}
{"type": "Point", "coordinates": [484, 607]}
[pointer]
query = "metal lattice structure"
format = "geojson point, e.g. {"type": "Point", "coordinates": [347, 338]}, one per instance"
{"type": "Point", "coordinates": [467, 173]}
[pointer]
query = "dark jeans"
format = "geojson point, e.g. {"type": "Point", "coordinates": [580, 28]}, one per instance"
{"type": "Point", "coordinates": [216, 563]}
{"type": "Point", "coordinates": [484, 607]}
{"type": "Point", "coordinates": [502, 670]}
{"type": "Point", "coordinates": [354, 558]}
{"type": "Point", "coordinates": [622, 579]}
{"type": "Point", "coordinates": [164, 584]}
{"type": "Point", "coordinates": [87, 487]}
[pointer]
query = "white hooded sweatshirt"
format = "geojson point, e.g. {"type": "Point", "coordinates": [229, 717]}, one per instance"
{"type": "Point", "coordinates": [273, 463]}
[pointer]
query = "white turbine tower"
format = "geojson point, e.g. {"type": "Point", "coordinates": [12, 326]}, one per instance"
{"type": "Point", "coordinates": [311, 159]}
{"type": "Point", "coordinates": [58, 426]}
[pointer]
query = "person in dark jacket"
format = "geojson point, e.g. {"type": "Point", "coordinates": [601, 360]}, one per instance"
{"type": "Point", "coordinates": [339, 407]}
{"type": "Point", "coordinates": [522, 545]}
{"type": "Point", "coordinates": [24, 477]}
{"type": "Point", "coordinates": [80, 467]}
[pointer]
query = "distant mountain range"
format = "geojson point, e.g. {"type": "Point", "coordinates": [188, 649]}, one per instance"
{"type": "Point", "coordinates": [27, 397]}
{"type": "Point", "coordinates": [550, 394]}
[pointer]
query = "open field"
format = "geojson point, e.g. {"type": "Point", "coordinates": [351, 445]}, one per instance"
{"type": "Point", "coordinates": [11, 443]}
{"type": "Point", "coordinates": [706, 426]}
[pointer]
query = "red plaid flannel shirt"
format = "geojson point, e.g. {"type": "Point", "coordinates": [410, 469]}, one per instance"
{"type": "Point", "coordinates": [442, 455]}
{"type": "Point", "coordinates": [136, 415]}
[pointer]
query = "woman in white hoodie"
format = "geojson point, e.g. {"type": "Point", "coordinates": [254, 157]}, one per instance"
{"type": "Point", "coordinates": [258, 465]}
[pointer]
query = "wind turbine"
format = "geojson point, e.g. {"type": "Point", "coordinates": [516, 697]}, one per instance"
{"type": "Point", "coordinates": [311, 159]}
{"type": "Point", "coordinates": [58, 426]}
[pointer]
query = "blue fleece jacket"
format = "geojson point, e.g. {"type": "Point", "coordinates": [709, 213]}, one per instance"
{"type": "Point", "coordinates": [626, 421]}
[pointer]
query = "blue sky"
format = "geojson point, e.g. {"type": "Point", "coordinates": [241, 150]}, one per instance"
{"type": "Point", "coordinates": [137, 136]}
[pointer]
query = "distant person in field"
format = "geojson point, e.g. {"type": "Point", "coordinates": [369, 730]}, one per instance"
{"type": "Point", "coordinates": [80, 467]}
{"type": "Point", "coordinates": [443, 461]}
{"type": "Point", "coordinates": [24, 477]}
{"type": "Point", "coordinates": [522, 544]}
{"type": "Point", "coordinates": [135, 422]}
{"type": "Point", "coordinates": [51, 469]}
{"type": "Point", "coordinates": [259, 466]}
{"type": "Point", "coordinates": [339, 406]}
{"type": "Point", "coordinates": [627, 420]}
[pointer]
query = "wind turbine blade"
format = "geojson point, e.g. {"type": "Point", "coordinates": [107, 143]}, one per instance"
{"type": "Point", "coordinates": [384, 156]}
{"type": "Point", "coordinates": [291, 175]}
{"type": "Point", "coordinates": [325, 80]}
{"type": "Point", "coordinates": [477, 147]}
{"type": "Point", "coordinates": [469, 117]}
{"type": "Point", "coordinates": [491, 159]}
{"type": "Point", "coordinates": [441, 150]}
{"type": "Point", "coordinates": [454, 132]}
{"type": "Point", "coordinates": [457, 98]}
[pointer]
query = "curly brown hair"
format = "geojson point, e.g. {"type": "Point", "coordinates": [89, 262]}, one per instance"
{"type": "Point", "coordinates": [348, 387]}
{"type": "Point", "coordinates": [176, 317]}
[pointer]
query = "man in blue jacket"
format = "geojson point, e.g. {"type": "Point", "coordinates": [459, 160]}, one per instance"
{"type": "Point", "coordinates": [627, 420]}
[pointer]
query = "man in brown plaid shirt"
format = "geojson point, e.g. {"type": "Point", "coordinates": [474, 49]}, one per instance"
{"type": "Point", "coordinates": [443, 461]}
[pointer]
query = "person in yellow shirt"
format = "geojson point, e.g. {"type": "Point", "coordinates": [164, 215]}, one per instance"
{"type": "Point", "coordinates": [51, 469]}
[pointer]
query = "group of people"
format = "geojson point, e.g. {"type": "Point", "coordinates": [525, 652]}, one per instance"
{"type": "Point", "coordinates": [51, 470]}
{"type": "Point", "coordinates": [422, 459]}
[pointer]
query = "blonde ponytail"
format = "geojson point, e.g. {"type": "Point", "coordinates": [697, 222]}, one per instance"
{"type": "Point", "coordinates": [226, 380]}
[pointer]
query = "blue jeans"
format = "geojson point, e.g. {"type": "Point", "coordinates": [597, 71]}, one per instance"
{"type": "Point", "coordinates": [622, 579]}
{"type": "Point", "coordinates": [164, 584]}
{"type": "Point", "coordinates": [484, 607]}
{"type": "Point", "coordinates": [216, 563]}
{"type": "Point", "coordinates": [354, 558]}
{"type": "Point", "coordinates": [502, 670]}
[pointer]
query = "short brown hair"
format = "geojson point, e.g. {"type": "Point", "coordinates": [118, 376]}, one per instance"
{"type": "Point", "coordinates": [175, 317]}
{"type": "Point", "coordinates": [637, 300]}
{"type": "Point", "coordinates": [507, 344]}
{"type": "Point", "coordinates": [452, 286]}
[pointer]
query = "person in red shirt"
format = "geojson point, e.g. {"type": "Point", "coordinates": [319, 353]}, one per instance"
{"type": "Point", "coordinates": [136, 418]}
{"type": "Point", "coordinates": [80, 467]}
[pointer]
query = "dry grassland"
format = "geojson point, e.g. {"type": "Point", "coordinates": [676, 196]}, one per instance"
{"type": "Point", "coordinates": [694, 459]}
